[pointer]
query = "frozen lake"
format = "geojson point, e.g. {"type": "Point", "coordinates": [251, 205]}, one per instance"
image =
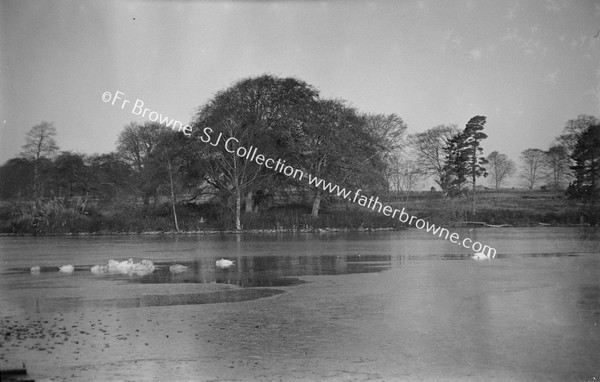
{"type": "Point", "coordinates": [331, 306]}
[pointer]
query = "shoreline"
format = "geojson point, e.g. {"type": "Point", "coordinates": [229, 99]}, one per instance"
{"type": "Point", "coordinates": [272, 231]}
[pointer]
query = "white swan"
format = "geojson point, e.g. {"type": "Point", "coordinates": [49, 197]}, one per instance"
{"type": "Point", "coordinates": [112, 265]}
{"type": "Point", "coordinates": [177, 268]}
{"type": "Point", "coordinates": [144, 266]}
{"type": "Point", "coordinates": [66, 268]}
{"type": "Point", "coordinates": [224, 263]}
{"type": "Point", "coordinates": [36, 269]}
{"type": "Point", "coordinates": [119, 266]}
{"type": "Point", "coordinates": [482, 256]}
{"type": "Point", "coordinates": [99, 268]}
{"type": "Point", "coordinates": [128, 264]}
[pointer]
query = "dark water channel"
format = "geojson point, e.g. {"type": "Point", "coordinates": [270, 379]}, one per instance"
{"type": "Point", "coordinates": [271, 261]}
{"type": "Point", "coordinates": [252, 273]}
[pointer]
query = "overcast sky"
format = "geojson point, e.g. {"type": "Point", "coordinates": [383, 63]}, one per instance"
{"type": "Point", "coordinates": [528, 66]}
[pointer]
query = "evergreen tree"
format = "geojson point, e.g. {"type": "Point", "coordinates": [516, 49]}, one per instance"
{"type": "Point", "coordinates": [455, 168]}
{"type": "Point", "coordinates": [586, 156]}
{"type": "Point", "coordinates": [465, 160]}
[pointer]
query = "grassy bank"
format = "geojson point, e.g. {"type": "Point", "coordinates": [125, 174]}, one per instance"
{"type": "Point", "coordinates": [517, 208]}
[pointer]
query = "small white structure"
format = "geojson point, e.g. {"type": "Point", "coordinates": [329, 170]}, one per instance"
{"type": "Point", "coordinates": [36, 269]}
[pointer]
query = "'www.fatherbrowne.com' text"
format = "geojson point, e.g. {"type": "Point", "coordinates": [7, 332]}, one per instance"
{"type": "Point", "coordinates": [401, 215]}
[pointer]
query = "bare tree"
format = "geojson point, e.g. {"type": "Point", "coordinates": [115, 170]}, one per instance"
{"type": "Point", "coordinates": [39, 146]}
{"type": "Point", "coordinates": [137, 145]}
{"type": "Point", "coordinates": [430, 151]}
{"type": "Point", "coordinates": [387, 132]}
{"type": "Point", "coordinates": [266, 112]}
{"type": "Point", "coordinates": [387, 129]}
{"type": "Point", "coordinates": [335, 131]}
{"type": "Point", "coordinates": [533, 161]}
{"type": "Point", "coordinates": [557, 163]}
{"type": "Point", "coordinates": [500, 167]}
{"type": "Point", "coordinates": [405, 172]}
{"type": "Point", "coordinates": [574, 129]}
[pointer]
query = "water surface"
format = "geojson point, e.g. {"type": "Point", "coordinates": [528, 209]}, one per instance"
{"type": "Point", "coordinates": [331, 306]}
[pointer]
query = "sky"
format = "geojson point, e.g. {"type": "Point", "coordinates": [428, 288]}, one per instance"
{"type": "Point", "coordinates": [528, 66]}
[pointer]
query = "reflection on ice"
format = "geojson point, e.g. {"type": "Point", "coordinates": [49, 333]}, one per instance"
{"type": "Point", "coordinates": [246, 271]}
{"type": "Point", "coordinates": [255, 271]}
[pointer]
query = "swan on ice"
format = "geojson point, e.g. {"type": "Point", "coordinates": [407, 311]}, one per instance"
{"type": "Point", "coordinates": [224, 263]}
{"type": "Point", "coordinates": [177, 268]}
{"type": "Point", "coordinates": [482, 256]}
{"type": "Point", "coordinates": [66, 268]}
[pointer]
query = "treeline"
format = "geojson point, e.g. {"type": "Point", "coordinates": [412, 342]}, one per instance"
{"type": "Point", "coordinates": [157, 179]}
{"type": "Point", "coordinates": [551, 169]}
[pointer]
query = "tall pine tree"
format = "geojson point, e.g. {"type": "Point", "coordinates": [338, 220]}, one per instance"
{"type": "Point", "coordinates": [586, 155]}
{"type": "Point", "coordinates": [456, 164]}
{"type": "Point", "coordinates": [464, 159]}
{"type": "Point", "coordinates": [475, 165]}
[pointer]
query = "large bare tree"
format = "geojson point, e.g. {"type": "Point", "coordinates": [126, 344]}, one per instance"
{"type": "Point", "coordinates": [39, 147]}
{"type": "Point", "coordinates": [388, 134]}
{"type": "Point", "coordinates": [532, 162]}
{"type": "Point", "coordinates": [265, 112]}
{"type": "Point", "coordinates": [137, 145]}
{"type": "Point", "coordinates": [430, 147]}
{"type": "Point", "coordinates": [405, 172]}
{"type": "Point", "coordinates": [574, 128]}
{"type": "Point", "coordinates": [557, 166]}
{"type": "Point", "coordinates": [500, 167]}
{"type": "Point", "coordinates": [336, 148]}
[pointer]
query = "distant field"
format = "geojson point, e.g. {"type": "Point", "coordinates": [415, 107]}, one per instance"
{"type": "Point", "coordinates": [517, 207]}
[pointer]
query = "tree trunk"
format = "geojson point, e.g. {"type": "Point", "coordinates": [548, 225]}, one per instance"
{"type": "Point", "coordinates": [249, 200]}
{"type": "Point", "coordinates": [173, 201]}
{"type": "Point", "coordinates": [146, 198]}
{"type": "Point", "coordinates": [36, 182]}
{"type": "Point", "coordinates": [155, 198]}
{"type": "Point", "coordinates": [406, 198]}
{"type": "Point", "coordinates": [238, 209]}
{"type": "Point", "coordinates": [473, 199]}
{"type": "Point", "coordinates": [316, 204]}
{"type": "Point", "coordinates": [593, 179]}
